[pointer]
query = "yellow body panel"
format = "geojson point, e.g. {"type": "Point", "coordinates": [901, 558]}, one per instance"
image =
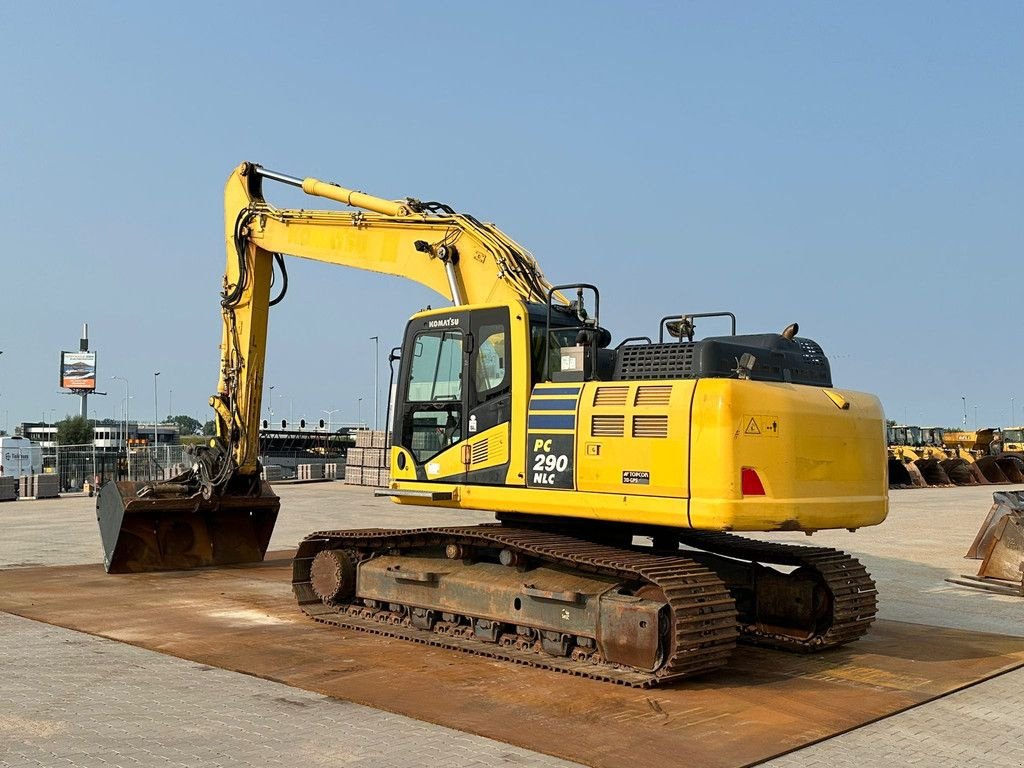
{"type": "Point", "coordinates": [822, 464]}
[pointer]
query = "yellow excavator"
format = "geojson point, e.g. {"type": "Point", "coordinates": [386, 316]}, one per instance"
{"type": "Point", "coordinates": [619, 474]}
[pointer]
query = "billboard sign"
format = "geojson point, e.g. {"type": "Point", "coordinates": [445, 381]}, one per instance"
{"type": "Point", "coordinates": [78, 370]}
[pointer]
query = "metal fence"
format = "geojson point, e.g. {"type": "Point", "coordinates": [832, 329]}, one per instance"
{"type": "Point", "coordinates": [78, 464]}
{"type": "Point", "coordinates": [160, 462]}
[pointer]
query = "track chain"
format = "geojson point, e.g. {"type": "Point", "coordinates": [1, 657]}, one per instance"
{"type": "Point", "coordinates": [702, 637]}
{"type": "Point", "coordinates": [853, 592]}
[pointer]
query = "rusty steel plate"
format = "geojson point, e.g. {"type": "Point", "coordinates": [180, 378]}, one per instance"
{"type": "Point", "coordinates": [763, 704]}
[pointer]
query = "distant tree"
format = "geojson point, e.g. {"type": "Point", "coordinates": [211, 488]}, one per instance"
{"type": "Point", "coordinates": [186, 424]}
{"type": "Point", "coordinates": [890, 422]}
{"type": "Point", "coordinates": [74, 430]}
{"type": "Point", "coordinates": [210, 428]}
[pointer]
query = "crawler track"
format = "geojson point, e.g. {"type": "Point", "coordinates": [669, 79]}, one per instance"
{"type": "Point", "coordinates": [852, 596]}
{"type": "Point", "coordinates": [700, 637]}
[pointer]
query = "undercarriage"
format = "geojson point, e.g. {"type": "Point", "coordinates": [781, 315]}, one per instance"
{"type": "Point", "coordinates": [590, 602]}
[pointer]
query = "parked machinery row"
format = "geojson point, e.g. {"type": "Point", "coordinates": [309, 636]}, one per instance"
{"type": "Point", "coordinates": [932, 456]}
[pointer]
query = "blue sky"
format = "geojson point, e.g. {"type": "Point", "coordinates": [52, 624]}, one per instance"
{"type": "Point", "coordinates": [856, 168]}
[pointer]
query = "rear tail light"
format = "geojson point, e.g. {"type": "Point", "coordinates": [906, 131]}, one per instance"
{"type": "Point", "coordinates": [750, 483]}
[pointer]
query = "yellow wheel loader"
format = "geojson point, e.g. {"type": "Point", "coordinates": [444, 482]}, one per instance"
{"type": "Point", "coordinates": [913, 461]}
{"type": "Point", "coordinates": [619, 474]}
{"type": "Point", "coordinates": [992, 463]}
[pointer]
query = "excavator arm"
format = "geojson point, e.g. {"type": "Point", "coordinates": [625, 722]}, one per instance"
{"type": "Point", "coordinates": [220, 511]}
{"type": "Point", "coordinates": [457, 256]}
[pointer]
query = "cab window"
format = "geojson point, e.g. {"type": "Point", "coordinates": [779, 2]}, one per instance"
{"type": "Point", "coordinates": [491, 361]}
{"type": "Point", "coordinates": [436, 370]}
{"type": "Point", "coordinates": [433, 421]}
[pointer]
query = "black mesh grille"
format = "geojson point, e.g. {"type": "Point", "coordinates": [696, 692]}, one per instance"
{"type": "Point", "coordinates": [799, 361]}
{"type": "Point", "coordinates": [655, 361]}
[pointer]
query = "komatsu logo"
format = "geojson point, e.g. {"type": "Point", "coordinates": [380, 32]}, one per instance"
{"type": "Point", "coordinates": [446, 322]}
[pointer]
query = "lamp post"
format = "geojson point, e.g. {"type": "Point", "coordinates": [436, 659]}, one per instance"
{"type": "Point", "coordinates": [127, 398]}
{"type": "Point", "coordinates": [155, 417]}
{"type": "Point", "coordinates": [271, 398]}
{"type": "Point", "coordinates": [359, 411]}
{"type": "Point", "coordinates": [964, 399]}
{"type": "Point", "coordinates": [1013, 414]}
{"type": "Point", "coordinates": [330, 417]}
{"type": "Point", "coordinates": [376, 370]}
{"type": "Point", "coordinates": [170, 403]}
{"type": "Point", "coordinates": [281, 396]}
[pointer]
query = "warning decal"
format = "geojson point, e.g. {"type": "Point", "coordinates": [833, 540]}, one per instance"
{"type": "Point", "coordinates": [760, 426]}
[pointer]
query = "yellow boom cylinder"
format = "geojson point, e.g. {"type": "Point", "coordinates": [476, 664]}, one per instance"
{"type": "Point", "coordinates": [354, 198]}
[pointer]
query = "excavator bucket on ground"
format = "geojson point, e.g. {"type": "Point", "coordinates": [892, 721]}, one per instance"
{"type": "Point", "coordinates": [1001, 469]}
{"type": "Point", "coordinates": [167, 526]}
{"type": "Point", "coordinates": [1000, 547]}
{"type": "Point", "coordinates": [933, 472]}
{"type": "Point", "coordinates": [963, 472]}
{"type": "Point", "coordinates": [904, 474]}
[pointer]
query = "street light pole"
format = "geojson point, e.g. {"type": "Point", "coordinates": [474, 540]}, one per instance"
{"type": "Point", "coordinates": [271, 398]}
{"type": "Point", "coordinates": [359, 411]}
{"type": "Point", "coordinates": [376, 372]}
{"type": "Point", "coordinates": [330, 417]}
{"type": "Point", "coordinates": [1013, 414]}
{"type": "Point", "coordinates": [155, 417]}
{"type": "Point", "coordinates": [127, 399]}
{"type": "Point", "coordinates": [964, 398]}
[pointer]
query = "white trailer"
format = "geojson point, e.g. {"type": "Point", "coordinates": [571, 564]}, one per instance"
{"type": "Point", "coordinates": [19, 456]}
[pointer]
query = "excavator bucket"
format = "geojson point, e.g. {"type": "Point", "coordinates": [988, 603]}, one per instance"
{"type": "Point", "coordinates": [1012, 467]}
{"type": "Point", "coordinates": [904, 475]}
{"type": "Point", "coordinates": [1003, 503]}
{"type": "Point", "coordinates": [963, 472]}
{"type": "Point", "coordinates": [932, 472]}
{"type": "Point", "coordinates": [1000, 547]}
{"type": "Point", "coordinates": [989, 466]}
{"type": "Point", "coordinates": [163, 527]}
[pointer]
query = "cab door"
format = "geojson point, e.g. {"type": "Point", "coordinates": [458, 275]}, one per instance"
{"type": "Point", "coordinates": [430, 412]}
{"type": "Point", "coordinates": [489, 397]}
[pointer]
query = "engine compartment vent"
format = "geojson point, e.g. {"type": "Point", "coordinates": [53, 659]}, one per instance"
{"type": "Point", "coordinates": [650, 426]}
{"type": "Point", "coordinates": [608, 425]}
{"type": "Point", "coordinates": [611, 396]}
{"type": "Point", "coordinates": [653, 395]}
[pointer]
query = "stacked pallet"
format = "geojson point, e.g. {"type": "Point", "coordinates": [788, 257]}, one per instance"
{"type": "Point", "coordinates": [370, 461]}
{"type": "Point", "coordinates": [273, 472]}
{"type": "Point", "coordinates": [309, 472]}
{"type": "Point", "coordinates": [331, 471]}
{"type": "Point", "coordinates": [8, 488]}
{"type": "Point", "coordinates": [47, 486]}
{"type": "Point", "coordinates": [39, 486]}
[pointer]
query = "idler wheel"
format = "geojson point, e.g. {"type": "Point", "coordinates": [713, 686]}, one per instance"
{"type": "Point", "coordinates": [333, 575]}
